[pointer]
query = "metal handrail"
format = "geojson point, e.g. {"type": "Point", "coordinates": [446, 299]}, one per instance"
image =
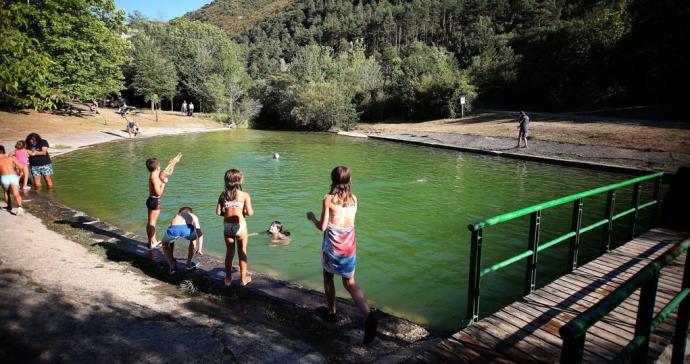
{"type": "Point", "coordinates": [559, 201]}
{"type": "Point", "coordinates": [534, 247]}
{"type": "Point", "coordinates": [573, 333]}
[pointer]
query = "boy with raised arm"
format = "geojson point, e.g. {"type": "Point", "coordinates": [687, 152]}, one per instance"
{"type": "Point", "coordinates": [157, 181]}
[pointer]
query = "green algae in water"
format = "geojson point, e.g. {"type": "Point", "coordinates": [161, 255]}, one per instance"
{"type": "Point", "coordinates": [415, 205]}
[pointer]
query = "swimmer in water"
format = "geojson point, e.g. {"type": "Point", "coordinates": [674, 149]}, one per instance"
{"type": "Point", "coordinates": [276, 156]}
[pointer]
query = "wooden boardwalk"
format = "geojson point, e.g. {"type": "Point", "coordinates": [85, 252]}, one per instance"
{"type": "Point", "coordinates": [527, 331]}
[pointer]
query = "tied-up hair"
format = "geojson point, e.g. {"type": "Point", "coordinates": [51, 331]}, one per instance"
{"type": "Point", "coordinates": [233, 183]}
{"type": "Point", "coordinates": [340, 187]}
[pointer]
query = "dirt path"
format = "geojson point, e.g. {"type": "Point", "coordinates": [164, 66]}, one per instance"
{"type": "Point", "coordinates": [60, 302]}
{"type": "Point", "coordinates": [68, 133]}
{"type": "Point", "coordinates": [615, 143]}
{"type": "Point", "coordinates": [641, 135]}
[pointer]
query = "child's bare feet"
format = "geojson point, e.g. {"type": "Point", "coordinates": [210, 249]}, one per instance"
{"type": "Point", "coordinates": [228, 280]}
{"type": "Point", "coordinates": [246, 280]}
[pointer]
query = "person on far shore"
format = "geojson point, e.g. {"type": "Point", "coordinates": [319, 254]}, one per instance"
{"type": "Point", "coordinates": [132, 126]}
{"type": "Point", "coordinates": [523, 128]}
{"type": "Point", "coordinates": [10, 181]}
{"type": "Point", "coordinates": [184, 107]}
{"type": "Point", "coordinates": [39, 160]}
{"type": "Point", "coordinates": [183, 225]}
{"type": "Point", "coordinates": [234, 205]}
{"type": "Point", "coordinates": [22, 156]}
{"type": "Point", "coordinates": [339, 247]}
{"type": "Point", "coordinates": [190, 109]}
{"type": "Point", "coordinates": [157, 181]}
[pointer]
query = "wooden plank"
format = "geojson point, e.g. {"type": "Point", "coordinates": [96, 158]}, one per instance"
{"type": "Point", "coordinates": [528, 330]}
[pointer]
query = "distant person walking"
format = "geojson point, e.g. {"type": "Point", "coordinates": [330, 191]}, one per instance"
{"type": "Point", "coordinates": [39, 160]}
{"type": "Point", "coordinates": [523, 128]}
{"type": "Point", "coordinates": [339, 247]}
{"type": "Point", "coordinates": [184, 107]}
{"type": "Point", "coordinates": [191, 109]}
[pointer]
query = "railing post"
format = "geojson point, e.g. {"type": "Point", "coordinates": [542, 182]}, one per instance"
{"type": "Point", "coordinates": [608, 228]}
{"type": "Point", "coordinates": [576, 222]}
{"type": "Point", "coordinates": [645, 315]}
{"type": "Point", "coordinates": [655, 197]}
{"type": "Point", "coordinates": [474, 277]}
{"type": "Point", "coordinates": [573, 348]}
{"type": "Point", "coordinates": [636, 205]}
{"type": "Point", "coordinates": [533, 244]}
{"type": "Point", "coordinates": [683, 318]}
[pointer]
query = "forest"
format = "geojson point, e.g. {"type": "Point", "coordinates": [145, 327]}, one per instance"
{"type": "Point", "coordinates": [310, 64]}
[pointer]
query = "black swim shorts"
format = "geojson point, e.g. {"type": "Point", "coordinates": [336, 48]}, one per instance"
{"type": "Point", "coordinates": [153, 203]}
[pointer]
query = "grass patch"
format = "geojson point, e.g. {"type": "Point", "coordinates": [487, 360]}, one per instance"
{"type": "Point", "coordinates": [78, 236]}
{"type": "Point", "coordinates": [62, 146]}
{"type": "Point", "coordinates": [189, 288]}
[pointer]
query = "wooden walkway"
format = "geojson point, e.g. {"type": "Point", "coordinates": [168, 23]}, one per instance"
{"type": "Point", "coordinates": [527, 330]}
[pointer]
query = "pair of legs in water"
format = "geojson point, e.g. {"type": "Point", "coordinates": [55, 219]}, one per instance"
{"type": "Point", "coordinates": [370, 323]}
{"type": "Point", "coordinates": [236, 235]}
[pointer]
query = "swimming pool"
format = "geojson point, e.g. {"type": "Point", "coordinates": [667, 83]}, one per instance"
{"type": "Point", "coordinates": [415, 205]}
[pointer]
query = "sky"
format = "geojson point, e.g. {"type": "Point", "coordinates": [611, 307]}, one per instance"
{"type": "Point", "coordinates": [163, 10]}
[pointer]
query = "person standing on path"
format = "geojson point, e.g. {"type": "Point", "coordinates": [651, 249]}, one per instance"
{"type": "Point", "coordinates": [339, 247]}
{"type": "Point", "coordinates": [523, 128]}
{"type": "Point", "coordinates": [191, 109]}
{"type": "Point", "coordinates": [39, 160]}
{"type": "Point", "coordinates": [10, 181]}
{"type": "Point", "coordinates": [184, 107]}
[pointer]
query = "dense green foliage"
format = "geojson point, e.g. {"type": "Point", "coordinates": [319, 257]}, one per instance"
{"type": "Point", "coordinates": [55, 50]}
{"type": "Point", "coordinates": [191, 60]}
{"type": "Point", "coordinates": [319, 64]}
{"type": "Point", "coordinates": [546, 54]}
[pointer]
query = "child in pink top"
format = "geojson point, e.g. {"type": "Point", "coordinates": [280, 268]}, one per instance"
{"type": "Point", "coordinates": [23, 158]}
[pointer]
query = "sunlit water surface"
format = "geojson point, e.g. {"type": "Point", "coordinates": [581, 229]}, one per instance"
{"type": "Point", "coordinates": [414, 207]}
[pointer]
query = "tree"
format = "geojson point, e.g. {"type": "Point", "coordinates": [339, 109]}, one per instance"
{"type": "Point", "coordinates": [154, 74]}
{"type": "Point", "coordinates": [60, 49]}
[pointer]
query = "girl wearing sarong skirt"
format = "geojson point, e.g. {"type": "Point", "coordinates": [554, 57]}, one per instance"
{"type": "Point", "coordinates": [339, 247]}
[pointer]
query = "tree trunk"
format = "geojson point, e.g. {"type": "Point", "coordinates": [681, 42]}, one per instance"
{"type": "Point", "coordinates": [172, 106]}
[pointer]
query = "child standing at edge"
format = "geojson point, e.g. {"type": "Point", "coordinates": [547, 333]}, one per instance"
{"type": "Point", "coordinates": [157, 181]}
{"type": "Point", "coordinates": [10, 181]}
{"type": "Point", "coordinates": [234, 205]}
{"type": "Point", "coordinates": [339, 247]}
{"type": "Point", "coordinates": [22, 156]}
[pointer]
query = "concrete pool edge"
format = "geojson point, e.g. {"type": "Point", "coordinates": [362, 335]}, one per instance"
{"type": "Point", "coordinates": [291, 299]}
{"type": "Point", "coordinates": [409, 139]}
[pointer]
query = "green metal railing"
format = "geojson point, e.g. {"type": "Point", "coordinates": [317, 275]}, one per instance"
{"type": "Point", "coordinates": [573, 333]}
{"type": "Point", "coordinates": [533, 245]}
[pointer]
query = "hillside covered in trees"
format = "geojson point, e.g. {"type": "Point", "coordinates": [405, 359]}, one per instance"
{"type": "Point", "coordinates": [546, 54]}
{"type": "Point", "coordinates": [309, 64]}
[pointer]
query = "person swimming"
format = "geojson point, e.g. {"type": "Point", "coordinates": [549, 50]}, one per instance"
{"type": "Point", "coordinates": [275, 231]}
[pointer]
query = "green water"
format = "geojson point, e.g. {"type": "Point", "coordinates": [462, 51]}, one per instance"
{"type": "Point", "coordinates": [415, 204]}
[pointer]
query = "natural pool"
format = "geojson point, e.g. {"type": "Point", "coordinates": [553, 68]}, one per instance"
{"type": "Point", "coordinates": [415, 204]}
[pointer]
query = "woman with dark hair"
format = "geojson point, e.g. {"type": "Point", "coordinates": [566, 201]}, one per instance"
{"type": "Point", "coordinates": [339, 247]}
{"type": "Point", "coordinates": [39, 160]}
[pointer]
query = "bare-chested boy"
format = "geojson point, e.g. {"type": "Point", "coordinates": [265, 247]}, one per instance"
{"type": "Point", "coordinates": [10, 181]}
{"type": "Point", "coordinates": [183, 225]}
{"type": "Point", "coordinates": [157, 181]}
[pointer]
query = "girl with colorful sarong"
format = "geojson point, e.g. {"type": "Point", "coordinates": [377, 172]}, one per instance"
{"type": "Point", "coordinates": [339, 247]}
{"type": "Point", "coordinates": [234, 205]}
